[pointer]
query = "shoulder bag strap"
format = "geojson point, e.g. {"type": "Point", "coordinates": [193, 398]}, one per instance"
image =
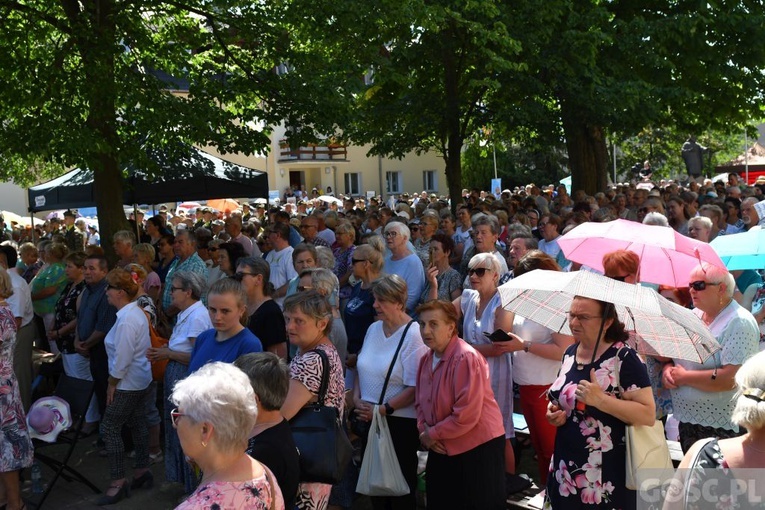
{"type": "Point", "coordinates": [393, 362]}
{"type": "Point", "coordinates": [324, 375]}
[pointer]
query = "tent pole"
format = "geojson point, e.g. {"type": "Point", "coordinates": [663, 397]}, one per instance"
{"type": "Point", "coordinates": [137, 227]}
{"type": "Point", "coordinates": [32, 220]}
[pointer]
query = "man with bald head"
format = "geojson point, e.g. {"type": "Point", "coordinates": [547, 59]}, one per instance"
{"type": "Point", "coordinates": [233, 226]}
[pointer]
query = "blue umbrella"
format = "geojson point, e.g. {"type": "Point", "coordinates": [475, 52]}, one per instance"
{"type": "Point", "coordinates": [741, 251]}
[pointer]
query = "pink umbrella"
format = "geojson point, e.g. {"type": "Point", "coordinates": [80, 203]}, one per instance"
{"type": "Point", "coordinates": [666, 257]}
{"type": "Point", "coordinates": [189, 205]}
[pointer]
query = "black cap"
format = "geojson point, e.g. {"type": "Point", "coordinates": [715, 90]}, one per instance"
{"type": "Point", "coordinates": [69, 212]}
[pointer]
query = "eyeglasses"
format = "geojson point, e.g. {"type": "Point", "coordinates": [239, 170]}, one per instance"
{"type": "Point", "coordinates": [354, 261]}
{"type": "Point", "coordinates": [301, 288]}
{"type": "Point", "coordinates": [240, 276]}
{"type": "Point", "coordinates": [480, 271]}
{"type": "Point", "coordinates": [544, 224]}
{"type": "Point", "coordinates": [174, 415]}
{"type": "Point", "coordinates": [109, 287]}
{"type": "Point", "coordinates": [414, 229]}
{"type": "Point", "coordinates": [390, 234]}
{"type": "Point", "coordinates": [582, 318]}
{"type": "Point", "coordinates": [701, 285]}
{"type": "Point", "coordinates": [173, 289]}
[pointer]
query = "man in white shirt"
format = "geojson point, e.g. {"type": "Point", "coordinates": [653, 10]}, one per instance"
{"type": "Point", "coordinates": [280, 261]}
{"type": "Point", "coordinates": [20, 304]}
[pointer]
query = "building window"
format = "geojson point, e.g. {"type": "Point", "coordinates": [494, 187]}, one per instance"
{"type": "Point", "coordinates": [429, 180]}
{"type": "Point", "coordinates": [353, 184]}
{"type": "Point", "coordinates": [393, 182]}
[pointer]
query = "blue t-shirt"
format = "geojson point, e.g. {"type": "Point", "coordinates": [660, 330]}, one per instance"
{"type": "Point", "coordinates": [359, 315]}
{"type": "Point", "coordinates": [410, 269]}
{"type": "Point", "coordinates": [207, 349]}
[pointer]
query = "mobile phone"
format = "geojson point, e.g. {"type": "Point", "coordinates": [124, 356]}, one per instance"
{"type": "Point", "coordinates": [498, 336]}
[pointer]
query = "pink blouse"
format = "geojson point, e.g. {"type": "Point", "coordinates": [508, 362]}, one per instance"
{"type": "Point", "coordinates": [456, 400]}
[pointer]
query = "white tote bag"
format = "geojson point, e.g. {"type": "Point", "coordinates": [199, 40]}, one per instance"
{"type": "Point", "coordinates": [380, 474]}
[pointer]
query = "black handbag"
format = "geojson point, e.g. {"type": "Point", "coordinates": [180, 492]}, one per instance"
{"type": "Point", "coordinates": [323, 445]}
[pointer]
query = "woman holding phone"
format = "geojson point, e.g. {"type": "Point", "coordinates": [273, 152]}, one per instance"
{"type": "Point", "coordinates": [441, 280]}
{"type": "Point", "coordinates": [482, 312]}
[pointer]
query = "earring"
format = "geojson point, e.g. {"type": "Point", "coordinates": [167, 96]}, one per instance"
{"type": "Point", "coordinates": [204, 444]}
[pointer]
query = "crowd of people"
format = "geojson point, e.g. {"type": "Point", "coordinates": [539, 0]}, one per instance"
{"type": "Point", "coordinates": [399, 298]}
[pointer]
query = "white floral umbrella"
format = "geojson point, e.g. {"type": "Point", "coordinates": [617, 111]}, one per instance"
{"type": "Point", "coordinates": [663, 328]}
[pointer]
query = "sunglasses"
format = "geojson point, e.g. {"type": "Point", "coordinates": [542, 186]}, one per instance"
{"type": "Point", "coordinates": [108, 287]}
{"type": "Point", "coordinates": [480, 271]}
{"type": "Point", "coordinates": [212, 249]}
{"type": "Point", "coordinates": [174, 415]}
{"type": "Point", "coordinates": [354, 261]}
{"type": "Point", "coordinates": [701, 285]}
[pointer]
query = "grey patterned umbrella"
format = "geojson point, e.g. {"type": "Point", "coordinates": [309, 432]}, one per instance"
{"type": "Point", "coordinates": [662, 327]}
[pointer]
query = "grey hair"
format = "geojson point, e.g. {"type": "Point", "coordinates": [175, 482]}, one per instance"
{"type": "Point", "coordinates": [749, 411]}
{"type": "Point", "coordinates": [703, 220]}
{"type": "Point", "coordinates": [220, 394]}
{"type": "Point", "coordinates": [324, 281]}
{"type": "Point", "coordinates": [487, 260]}
{"type": "Point", "coordinates": [124, 236]}
{"type": "Point", "coordinates": [269, 376]}
{"type": "Point", "coordinates": [655, 218]}
{"type": "Point", "coordinates": [485, 219]}
{"type": "Point", "coordinates": [311, 303]}
{"type": "Point", "coordinates": [400, 228]}
{"type": "Point", "coordinates": [716, 274]}
{"type": "Point", "coordinates": [391, 288]}
{"type": "Point", "coordinates": [324, 257]}
{"type": "Point", "coordinates": [190, 280]}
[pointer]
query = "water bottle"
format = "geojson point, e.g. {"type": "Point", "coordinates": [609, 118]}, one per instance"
{"type": "Point", "coordinates": [37, 485]}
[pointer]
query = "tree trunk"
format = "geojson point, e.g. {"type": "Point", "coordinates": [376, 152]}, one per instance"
{"type": "Point", "coordinates": [587, 155]}
{"type": "Point", "coordinates": [453, 138]}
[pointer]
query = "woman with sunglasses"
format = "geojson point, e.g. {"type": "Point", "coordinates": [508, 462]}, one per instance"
{"type": "Point", "coordinates": [265, 318]}
{"type": "Point", "coordinates": [187, 291]}
{"type": "Point", "coordinates": [482, 313]}
{"type": "Point", "coordinates": [214, 415]}
{"type": "Point", "coordinates": [359, 311]}
{"type": "Point", "coordinates": [702, 393]}
{"type": "Point", "coordinates": [129, 381]}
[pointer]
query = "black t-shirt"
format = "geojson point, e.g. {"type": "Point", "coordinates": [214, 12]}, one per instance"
{"type": "Point", "coordinates": [267, 323]}
{"type": "Point", "coordinates": [275, 448]}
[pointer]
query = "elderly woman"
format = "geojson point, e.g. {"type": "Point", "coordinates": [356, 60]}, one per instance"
{"type": "Point", "coordinates": [129, 380]}
{"type": "Point", "coordinates": [265, 318]}
{"type": "Point", "coordinates": [457, 417]}
{"type": "Point", "coordinates": [359, 312]}
{"type": "Point", "coordinates": [229, 339]}
{"type": "Point", "coordinates": [309, 320]}
{"type": "Point", "coordinates": [403, 262]}
{"type": "Point", "coordinates": [702, 393]}
{"type": "Point", "coordinates": [16, 451]}
{"type": "Point", "coordinates": [325, 283]}
{"type": "Point", "coordinates": [47, 286]}
{"type": "Point", "coordinates": [480, 309]}
{"type": "Point", "coordinates": [428, 228]}
{"type": "Point", "coordinates": [345, 236]}
{"type": "Point", "coordinates": [393, 329]}
{"type": "Point", "coordinates": [193, 319]}
{"type": "Point", "coordinates": [536, 360]}
{"type": "Point", "coordinates": [443, 282]}
{"type": "Point", "coordinates": [712, 459]}
{"type": "Point", "coordinates": [304, 256]}
{"type": "Point", "coordinates": [700, 228]}
{"type": "Point", "coordinates": [590, 412]}
{"type": "Point", "coordinates": [214, 414]}
{"type": "Point", "coordinates": [144, 255]}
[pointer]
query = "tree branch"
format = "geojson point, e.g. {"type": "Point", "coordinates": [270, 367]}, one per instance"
{"type": "Point", "coordinates": [34, 13]}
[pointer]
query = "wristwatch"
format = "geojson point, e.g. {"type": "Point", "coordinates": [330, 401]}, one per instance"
{"type": "Point", "coordinates": [526, 346]}
{"type": "Point", "coordinates": [388, 409]}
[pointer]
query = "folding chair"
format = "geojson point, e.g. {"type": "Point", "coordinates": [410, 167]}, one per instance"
{"type": "Point", "coordinates": [78, 393]}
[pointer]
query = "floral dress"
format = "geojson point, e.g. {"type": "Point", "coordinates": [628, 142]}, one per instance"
{"type": "Point", "coordinates": [256, 494]}
{"type": "Point", "coordinates": [16, 450]}
{"type": "Point", "coordinates": [66, 312]}
{"type": "Point", "coordinates": [587, 468]}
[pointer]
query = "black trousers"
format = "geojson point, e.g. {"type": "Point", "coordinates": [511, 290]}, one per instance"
{"type": "Point", "coordinates": [406, 441]}
{"type": "Point", "coordinates": [99, 369]}
{"type": "Point", "coordinates": [474, 480]}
